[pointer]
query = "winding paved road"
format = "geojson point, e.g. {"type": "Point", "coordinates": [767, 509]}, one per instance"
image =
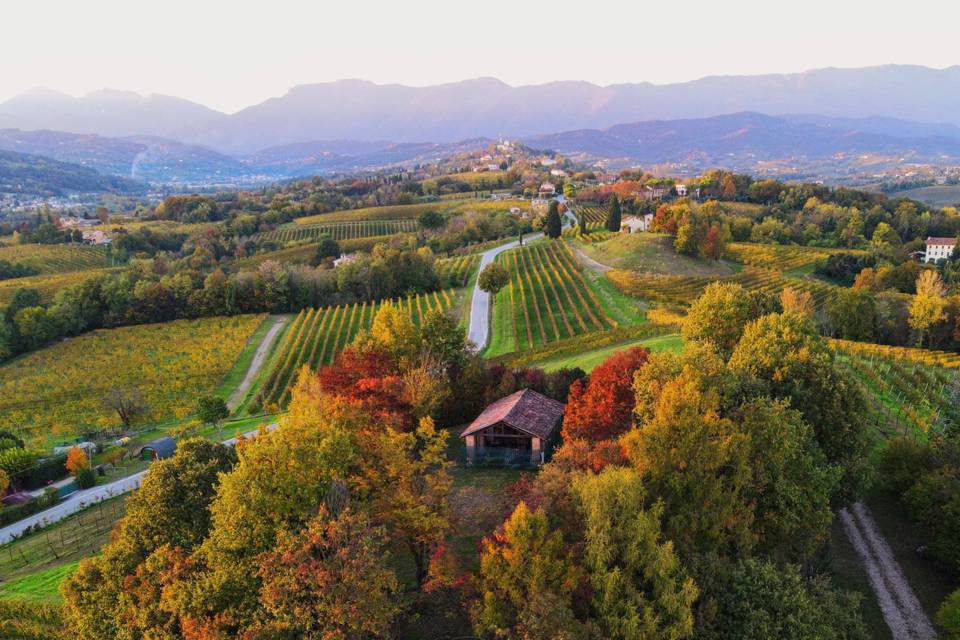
{"type": "Point", "coordinates": [82, 499]}
{"type": "Point", "coordinates": [480, 305]}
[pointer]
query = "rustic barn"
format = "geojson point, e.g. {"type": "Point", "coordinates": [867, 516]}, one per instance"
{"type": "Point", "coordinates": [518, 429]}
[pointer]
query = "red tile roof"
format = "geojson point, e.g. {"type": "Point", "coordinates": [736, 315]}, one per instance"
{"type": "Point", "coordinates": [526, 410]}
{"type": "Point", "coordinates": [942, 241]}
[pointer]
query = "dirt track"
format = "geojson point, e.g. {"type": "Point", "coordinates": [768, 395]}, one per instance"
{"type": "Point", "coordinates": [901, 609]}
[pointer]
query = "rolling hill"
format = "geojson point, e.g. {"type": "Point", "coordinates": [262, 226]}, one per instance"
{"type": "Point", "coordinates": [26, 174]}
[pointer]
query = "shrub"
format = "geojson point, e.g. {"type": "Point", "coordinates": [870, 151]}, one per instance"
{"type": "Point", "coordinates": [20, 511]}
{"type": "Point", "coordinates": [86, 478]}
{"type": "Point", "coordinates": [44, 471]}
{"type": "Point", "coordinates": [77, 461]}
{"type": "Point", "coordinates": [16, 461]}
{"type": "Point", "coordinates": [948, 616]}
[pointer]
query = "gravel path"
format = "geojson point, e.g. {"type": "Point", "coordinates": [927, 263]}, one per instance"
{"type": "Point", "coordinates": [901, 609]}
{"type": "Point", "coordinates": [258, 358]}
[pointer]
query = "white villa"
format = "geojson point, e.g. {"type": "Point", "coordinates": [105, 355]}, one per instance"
{"type": "Point", "coordinates": [939, 249]}
{"type": "Point", "coordinates": [633, 224]}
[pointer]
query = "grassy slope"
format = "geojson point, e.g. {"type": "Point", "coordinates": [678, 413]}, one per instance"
{"type": "Point", "coordinates": [651, 253]}
{"type": "Point", "coordinates": [42, 585]}
{"type": "Point", "coordinates": [590, 359]}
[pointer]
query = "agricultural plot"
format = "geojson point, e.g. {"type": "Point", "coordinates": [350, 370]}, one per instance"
{"type": "Point", "coordinates": [457, 271]}
{"type": "Point", "coordinates": [411, 211]}
{"type": "Point", "coordinates": [594, 215]}
{"type": "Point", "coordinates": [781, 257]}
{"type": "Point", "coordinates": [58, 392]}
{"type": "Point", "coordinates": [548, 299]}
{"type": "Point", "coordinates": [55, 258]}
{"type": "Point", "coordinates": [597, 234]}
{"type": "Point", "coordinates": [47, 285]}
{"type": "Point", "coordinates": [910, 391]}
{"type": "Point", "coordinates": [346, 230]}
{"type": "Point", "coordinates": [316, 335]}
{"type": "Point", "coordinates": [685, 289]}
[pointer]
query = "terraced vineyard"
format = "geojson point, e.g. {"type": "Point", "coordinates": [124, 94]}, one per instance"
{"type": "Point", "coordinates": [47, 285]}
{"type": "Point", "coordinates": [316, 335]}
{"type": "Point", "coordinates": [909, 390]}
{"type": "Point", "coordinates": [685, 289]}
{"type": "Point", "coordinates": [548, 298]}
{"type": "Point", "coordinates": [55, 258]}
{"type": "Point", "coordinates": [597, 234]}
{"type": "Point", "coordinates": [456, 272]}
{"type": "Point", "coordinates": [346, 230]}
{"type": "Point", "coordinates": [782, 257]}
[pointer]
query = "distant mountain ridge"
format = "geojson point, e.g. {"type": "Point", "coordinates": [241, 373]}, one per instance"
{"type": "Point", "coordinates": [486, 107]}
{"type": "Point", "coordinates": [756, 136]}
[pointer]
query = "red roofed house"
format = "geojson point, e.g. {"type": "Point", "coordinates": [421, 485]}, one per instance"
{"type": "Point", "coordinates": [518, 429]}
{"type": "Point", "coordinates": [939, 249]}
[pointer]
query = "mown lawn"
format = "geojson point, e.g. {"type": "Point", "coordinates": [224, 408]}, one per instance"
{"type": "Point", "coordinates": [590, 359]}
{"type": "Point", "coordinates": [42, 585]}
{"type": "Point", "coordinates": [652, 253]}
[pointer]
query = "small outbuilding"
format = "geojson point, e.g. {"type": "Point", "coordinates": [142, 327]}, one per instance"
{"type": "Point", "coordinates": [159, 449]}
{"type": "Point", "coordinates": [516, 430]}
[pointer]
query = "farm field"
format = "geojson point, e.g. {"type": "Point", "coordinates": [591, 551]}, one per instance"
{"type": "Point", "coordinates": [935, 196]}
{"type": "Point", "coordinates": [411, 211]}
{"type": "Point", "coordinates": [549, 299]}
{"type": "Point", "coordinates": [588, 360]}
{"type": "Point", "coordinates": [685, 289]}
{"type": "Point", "coordinates": [652, 253]}
{"type": "Point", "coordinates": [457, 271]}
{"type": "Point", "coordinates": [781, 257]}
{"type": "Point", "coordinates": [303, 253]}
{"type": "Point", "coordinates": [594, 215]}
{"type": "Point", "coordinates": [911, 391]}
{"type": "Point", "coordinates": [315, 336]}
{"type": "Point", "coordinates": [46, 285]}
{"type": "Point", "coordinates": [57, 392]}
{"type": "Point", "coordinates": [346, 230]}
{"type": "Point", "coordinates": [55, 258]}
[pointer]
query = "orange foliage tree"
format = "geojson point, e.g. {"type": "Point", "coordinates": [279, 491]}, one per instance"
{"type": "Point", "coordinates": [77, 460]}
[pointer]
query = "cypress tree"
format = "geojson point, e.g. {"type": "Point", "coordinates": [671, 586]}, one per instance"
{"type": "Point", "coordinates": [553, 226]}
{"type": "Point", "coordinates": [583, 225]}
{"type": "Point", "coordinates": [613, 214]}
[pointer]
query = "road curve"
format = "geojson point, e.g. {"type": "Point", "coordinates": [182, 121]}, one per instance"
{"type": "Point", "coordinates": [80, 500]}
{"type": "Point", "coordinates": [479, 332]}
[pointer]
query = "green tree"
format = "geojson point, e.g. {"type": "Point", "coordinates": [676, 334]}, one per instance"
{"type": "Point", "coordinates": [553, 227]}
{"type": "Point", "coordinates": [758, 600]}
{"type": "Point", "coordinates": [787, 358]}
{"type": "Point", "coordinates": [522, 570]}
{"type": "Point", "coordinates": [212, 410]}
{"type": "Point", "coordinates": [640, 590]}
{"type": "Point", "coordinates": [327, 248]}
{"type": "Point", "coordinates": [948, 616]}
{"type": "Point", "coordinates": [719, 315]}
{"type": "Point", "coordinates": [171, 508]}
{"type": "Point", "coordinates": [430, 219]}
{"type": "Point", "coordinates": [614, 214]}
{"type": "Point", "coordinates": [493, 278]}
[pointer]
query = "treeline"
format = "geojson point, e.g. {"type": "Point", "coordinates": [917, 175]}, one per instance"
{"type": "Point", "coordinates": [159, 290]}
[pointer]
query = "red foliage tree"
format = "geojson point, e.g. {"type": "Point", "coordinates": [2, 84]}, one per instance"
{"type": "Point", "coordinates": [603, 409]}
{"type": "Point", "coordinates": [371, 379]}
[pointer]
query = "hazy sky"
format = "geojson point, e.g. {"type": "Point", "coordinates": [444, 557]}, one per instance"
{"type": "Point", "coordinates": [228, 55]}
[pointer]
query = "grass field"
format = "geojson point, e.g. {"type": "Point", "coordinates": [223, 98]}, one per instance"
{"type": "Point", "coordinates": [590, 359]}
{"type": "Point", "coordinates": [315, 336]}
{"type": "Point", "coordinates": [55, 258]}
{"type": "Point", "coordinates": [47, 285]}
{"type": "Point", "coordinates": [57, 391]}
{"type": "Point", "coordinates": [550, 298]}
{"type": "Point", "coordinates": [651, 253]}
{"type": "Point", "coordinates": [43, 585]}
{"type": "Point", "coordinates": [346, 230]}
{"type": "Point", "coordinates": [411, 211]}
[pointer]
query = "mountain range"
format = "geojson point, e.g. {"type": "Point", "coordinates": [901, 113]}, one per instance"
{"type": "Point", "coordinates": [486, 107]}
{"type": "Point", "coordinates": [903, 113]}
